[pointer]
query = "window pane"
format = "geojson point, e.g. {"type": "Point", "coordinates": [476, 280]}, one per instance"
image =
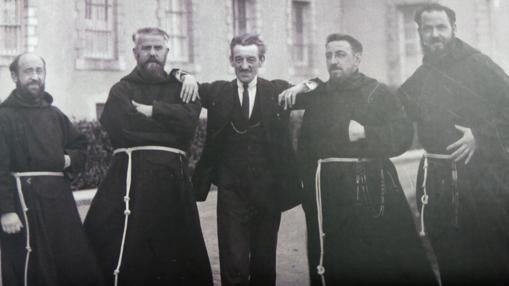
{"type": "Point", "coordinates": [10, 27]}
{"type": "Point", "coordinates": [301, 43]}
{"type": "Point", "coordinates": [176, 24]}
{"type": "Point", "coordinates": [410, 46]}
{"type": "Point", "coordinates": [99, 34]}
{"type": "Point", "coordinates": [244, 16]}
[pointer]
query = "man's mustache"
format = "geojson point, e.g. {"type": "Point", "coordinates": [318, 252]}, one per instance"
{"type": "Point", "coordinates": [34, 82]}
{"type": "Point", "coordinates": [153, 61]}
{"type": "Point", "coordinates": [436, 40]}
{"type": "Point", "coordinates": [334, 67]}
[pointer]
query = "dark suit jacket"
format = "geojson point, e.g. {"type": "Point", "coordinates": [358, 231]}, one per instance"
{"type": "Point", "coordinates": [218, 97]}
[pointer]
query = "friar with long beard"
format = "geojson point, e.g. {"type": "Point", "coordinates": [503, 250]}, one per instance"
{"type": "Point", "coordinates": [459, 99]}
{"type": "Point", "coordinates": [143, 222]}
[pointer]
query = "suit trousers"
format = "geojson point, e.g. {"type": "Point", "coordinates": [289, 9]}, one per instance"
{"type": "Point", "coordinates": [247, 231]}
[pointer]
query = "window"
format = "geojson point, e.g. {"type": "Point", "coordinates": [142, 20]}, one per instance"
{"type": "Point", "coordinates": [301, 52]}
{"type": "Point", "coordinates": [244, 16]}
{"type": "Point", "coordinates": [10, 27]}
{"type": "Point", "coordinates": [99, 33]}
{"type": "Point", "coordinates": [177, 23]}
{"type": "Point", "coordinates": [409, 42]}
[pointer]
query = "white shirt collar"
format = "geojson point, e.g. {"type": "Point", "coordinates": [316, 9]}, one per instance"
{"type": "Point", "coordinates": [250, 85]}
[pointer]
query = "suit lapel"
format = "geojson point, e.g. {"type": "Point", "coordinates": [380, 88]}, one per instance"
{"type": "Point", "coordinates": [266, 105]}
{"type": "Point", "coordinates": [223, 112]}
{"type": "Point", "coordinates": [230, 96]}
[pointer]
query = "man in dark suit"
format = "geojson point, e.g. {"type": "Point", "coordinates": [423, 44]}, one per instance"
{"type": "Point", "coordinates": [248, 155]}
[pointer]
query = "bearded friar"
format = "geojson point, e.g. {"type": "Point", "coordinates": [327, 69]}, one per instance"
{"type": "Point", "coordinates": [459, 100]}
{"type": "Point", "coordinates": [143, 222]}
{"type": "Point", "coordinates": [42, 239]}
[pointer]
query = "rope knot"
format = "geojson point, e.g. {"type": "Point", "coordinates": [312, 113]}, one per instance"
{"type": "Point", "coordinates": [28, 248]}
{"type": "Point", "coordinates": [126, 198]}
{"type": "Point", "coordinates": [25, 209]}
{"type": "Point", "coordinates": [424, 199]}
{"type": "Point", "coordinates": [127, 212]}
{"type": "Point", "coordinates": [116, 272]}
{"type": "Point", "coordinates": [320, 270]}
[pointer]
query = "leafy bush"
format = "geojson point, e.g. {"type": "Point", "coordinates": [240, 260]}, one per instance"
{"type": "Point", "coordinates": [100, 152]}
{"type": "Point", "coordinates": [99, 155]}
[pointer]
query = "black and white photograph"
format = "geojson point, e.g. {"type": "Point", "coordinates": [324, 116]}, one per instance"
{"type": "Point", "coordinates": [254, 142]}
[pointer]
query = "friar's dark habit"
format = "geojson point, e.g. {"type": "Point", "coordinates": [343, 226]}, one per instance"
{"type": "Point", "coordinates": [466, 219]}
{"type": "Point", "coordinates": [34, 136]}
{"type": "Point", "coordinates": [164, 243]}
{"type": "Point", "coordinates": [369, 233]}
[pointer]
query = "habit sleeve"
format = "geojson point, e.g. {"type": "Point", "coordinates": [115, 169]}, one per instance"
{"type": "Point", "coordinates": [178, 117]}
{"type": "Point", "coordinates": [394, 134]}
{"type": "Point", "coordinates": [75, 145]}
{"type": "Point", "coordinates": [119, 114]}
{"type": "Point", "coordinates": [7, 184]}
{"type": "Point", "coordinates": [492, 132]}
{"type": "Point", "coordinates": [302, 99]}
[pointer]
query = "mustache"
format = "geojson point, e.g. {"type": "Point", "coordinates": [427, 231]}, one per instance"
{"type": "Point", "coordinates": [38, 82]}
{"type": "Point", "coordinates": [152, 61]}
{"type": "Point", "coordinates": [334, 67]}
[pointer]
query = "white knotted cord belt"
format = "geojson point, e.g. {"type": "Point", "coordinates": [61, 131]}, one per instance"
{"type": "Point", "coordinates": [425, 197]}
{"type": "Point", "coordinates": [127, 211]}
{"type": "Point", "coordinates": [24, 207]}
{"type": "Point", "coordinates": [321, 234]}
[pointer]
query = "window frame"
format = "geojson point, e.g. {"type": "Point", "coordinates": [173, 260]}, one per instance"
{"type": "Point", "coordinates": [85, 60]}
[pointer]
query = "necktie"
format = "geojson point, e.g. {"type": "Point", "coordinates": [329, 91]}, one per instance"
{"type": "Point", "coordinates": [245, 101]}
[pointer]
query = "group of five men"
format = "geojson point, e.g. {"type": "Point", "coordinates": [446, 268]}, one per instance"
{"type": "Point", "coordinates": [143, 226]}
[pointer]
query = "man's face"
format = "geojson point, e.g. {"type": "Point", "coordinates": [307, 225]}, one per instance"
{"type": "Point", "coordinates": [150, 53]}
{"type": "Point", "coordinates": [436, 32]}
{"type": "Point", "coordinates": [31, 75]}
{"type": "Point", "coordinates": [341, 60]}
{"type": "Point", "coordinates": [246, 61]}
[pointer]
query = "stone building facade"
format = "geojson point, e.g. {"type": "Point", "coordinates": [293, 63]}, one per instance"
{"type": "Point", "coordinates": [87, 43]}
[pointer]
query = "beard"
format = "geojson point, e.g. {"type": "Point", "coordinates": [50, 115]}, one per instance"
{"type": "Point", "coordinates": [33, 89]}
{"type": "Point", "coordinates": [433, 49]}
{"type": "Point", "coordinates": [339, 75]}
{"type": "Point", "coordinates": [153, 69]}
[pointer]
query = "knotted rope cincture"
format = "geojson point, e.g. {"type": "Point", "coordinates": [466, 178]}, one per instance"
{"type": "Point", "coordinates": [320, 269]}
{"type": "Point", "coordinates": [127, 197]}
{"type": "Point", "coordinates": [425, 196]}
{"type": "Point", "coordinates": [24, 208]}
{"type": "Point", "coordinates": [321, 234]}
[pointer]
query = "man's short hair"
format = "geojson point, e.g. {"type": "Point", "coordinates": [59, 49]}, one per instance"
{"type": "Point", "coordinates": [150, 31]}
{"type": "Point", "coordinates": [435, 7]}
{"type": "Point", "coordinates": [247, 40]}
{"type": "Point", "coordinates": [354, 43]}
{"type": "Point", "coordinates": [14, 66]}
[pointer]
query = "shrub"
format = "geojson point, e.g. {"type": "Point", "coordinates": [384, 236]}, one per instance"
{"type": "Point", "coordinates": [99, 154]}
